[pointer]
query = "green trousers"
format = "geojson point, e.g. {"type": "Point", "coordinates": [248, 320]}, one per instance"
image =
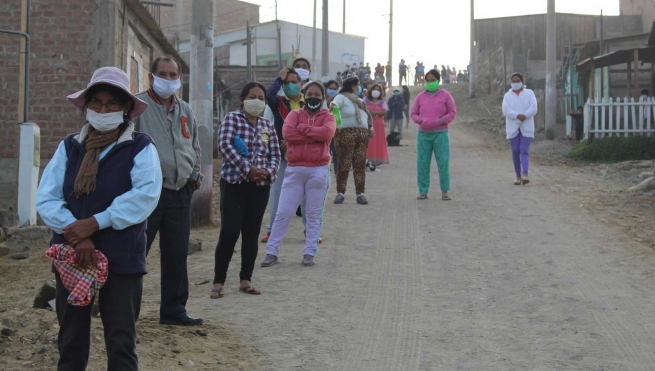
{"type": "Point", "coordinates": [439, 144]}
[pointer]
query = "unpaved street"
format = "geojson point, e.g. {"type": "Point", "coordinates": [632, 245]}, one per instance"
{"type": "Point", "coordinates": [501, 278]}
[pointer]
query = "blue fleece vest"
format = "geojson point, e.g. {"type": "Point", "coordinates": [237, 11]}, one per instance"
{"type": "Point", "coordinates": [125, 249]}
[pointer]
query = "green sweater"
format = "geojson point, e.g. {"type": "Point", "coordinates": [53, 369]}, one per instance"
{"type": "Point", "coordinates": [177, 142]}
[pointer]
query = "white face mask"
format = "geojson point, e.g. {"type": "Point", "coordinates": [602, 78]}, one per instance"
{"type": "Point", "coordinates": [254, 107]}
{"type": "Point", "coordinates": [375, 94]}
{"type": "Point", "coordinates": [517, 85]}
{"type": "Point", "coordinates": [165, 88]}
{"type": "Point", "coordinates": [104, 122]}
{"type": "Point", "coordinates": [302, 73]}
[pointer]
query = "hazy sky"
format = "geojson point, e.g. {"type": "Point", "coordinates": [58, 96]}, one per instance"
{"type": "Point", "coordinates": [431, 31]}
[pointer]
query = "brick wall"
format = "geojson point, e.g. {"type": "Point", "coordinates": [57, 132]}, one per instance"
{"type": "Point", "coordinates": [59, 65]}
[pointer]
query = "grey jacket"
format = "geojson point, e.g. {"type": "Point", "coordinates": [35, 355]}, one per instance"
{"type": "Point", "coordinates": [177, 144]}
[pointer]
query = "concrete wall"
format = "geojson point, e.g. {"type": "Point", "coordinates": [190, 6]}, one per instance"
{"type": "Point", "coordinates": [228, 15]}
{"type": "Point", "coordinates": [641, 8]}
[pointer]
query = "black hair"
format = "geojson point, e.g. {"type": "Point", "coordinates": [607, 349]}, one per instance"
{"type": "Point", "coordinates": [302, 59]}
{"type": "Point", "coordinates": [119, 94]}
{"type": "Point", "coordinates": [314, 83]}
{"type": "Point", "coordinates": [405, 87]}
{"type": "Point", "coordinates": [348, 85]}
{"type": "Point", "coordinates": [246, 90]}
{"type": "Point", "coordinates": [293, 72]}
{"type": "Point", "coordinates": [580, 107]}
{"type": "Point", "coordinates": [645, 91]}
{"type": "Point", "coordinates": [379, 87]}
{"type": "Point", "coordinates": [332, 82]}
{"type": "Point", "coordinates": [166, 58]}
{"type": "Point", "coordinates": [434, 73]}
{"type": "Point", "coordinates": [518, 75]}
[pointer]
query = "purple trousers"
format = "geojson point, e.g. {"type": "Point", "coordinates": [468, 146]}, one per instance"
{"type": "Point", "coordinates": [520, 155]}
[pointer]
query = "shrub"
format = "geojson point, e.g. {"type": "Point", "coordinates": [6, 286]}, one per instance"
{"type": "Point", "coordinates": [615, 149]}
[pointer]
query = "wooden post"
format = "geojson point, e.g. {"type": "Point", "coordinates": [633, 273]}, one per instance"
{"type": "Point", "coordinates": [636, 77]}
{"type": "Point", "coordinates": [627, 87]}
{"type": "Point", "coordinates": [592, 93]}
{"type": "Point", "coordinates": [22, 84]}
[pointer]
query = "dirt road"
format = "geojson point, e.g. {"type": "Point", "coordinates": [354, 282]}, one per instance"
{"type": "Point", "coordinates": [500, 278]}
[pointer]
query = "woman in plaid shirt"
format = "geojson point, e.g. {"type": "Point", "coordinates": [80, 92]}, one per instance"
{"type": "Point", "coordinates": [251, 156]}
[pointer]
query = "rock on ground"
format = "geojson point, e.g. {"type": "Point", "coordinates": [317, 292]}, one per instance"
{"type": "Point", "coordinates": [27, 235]}
{"type": "Point", "coordinates": [47, 292]}
{"type": "Point", "coordinates": [195, 245]}
{"type": "Point", "coordinates": [645, 185]}
{"type": "Point", "coordinates": [4, 250]}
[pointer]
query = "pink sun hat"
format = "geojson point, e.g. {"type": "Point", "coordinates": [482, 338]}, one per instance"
{"type": "Point", "coordinates": [111, 76]}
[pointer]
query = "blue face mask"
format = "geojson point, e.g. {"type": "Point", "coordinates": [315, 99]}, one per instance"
{"type": "Point", "coordinates": [359, 90]}
{"type": "Point", "coordinates": [332, 92]}
{"type": "Point", "coordinates": [396, 93]}
{"type": "Point", "coordinates": [291, 90]}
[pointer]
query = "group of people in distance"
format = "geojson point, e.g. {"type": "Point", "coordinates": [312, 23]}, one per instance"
{"type": "Point", "coordinates": [130, 172]}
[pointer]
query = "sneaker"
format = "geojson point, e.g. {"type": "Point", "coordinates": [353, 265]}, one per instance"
{"type": "Point", "coordinates": [308, 261]}
{"type": "Point", "coordinates": [265, 238]}
{"type": "Point", "coordinates": [361, 199]}
{"type": "Point", "coordinates": [339, 199]}
{"type": "Point", "coordinates": [269, 261]}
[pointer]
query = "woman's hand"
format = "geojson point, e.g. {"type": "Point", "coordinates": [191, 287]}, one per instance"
{"type": "Point", "coordinates": [85, 254]}
{"type": "Point", "coordinates": [80, 230]}
{"type": "Point", "coordinates": [371, 133]}
{"type": "Point", "coordinates": [521, 117]}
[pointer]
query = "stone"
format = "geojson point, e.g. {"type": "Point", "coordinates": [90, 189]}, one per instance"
{"type": "Point", "coordinates": [47, 292]}
{"type": "Point", "coordinates": [6, 331]}
{"type": "Point", "coordinates": [188, 363]}
{"type": "Point", "coordinates": [4, 250]}
{"type": "Point", "coordinates": [9, 322]}
{"type": "Point", "coordinates": [3, 236]}
{"type": "Point", "coordinates": [28, 235]}
{"type": "Point", "coordinates": [629, 165]}
{"type": "Point", "coordinates": [176, 351]}
{"type": "Point", "coordinates": [20, 255]}
{"type": "Point", "coordinates": [646, 175]}
{"type": "Point", "coordinates": [195, 245]}
{"type": "Point", "coordinates": [645, 185]}
{"type": "Point", "coordinates": [8, 218]}
{"type": "Point", "coordinates": [201, 333]}
{"type": "Point", "coordinates": [44, 350]}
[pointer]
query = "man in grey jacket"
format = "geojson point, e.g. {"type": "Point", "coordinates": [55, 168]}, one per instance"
{"type": "Point", "coordinates": [171, 123]}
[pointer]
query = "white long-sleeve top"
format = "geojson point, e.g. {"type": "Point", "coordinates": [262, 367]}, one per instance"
{"type": "Point", "coordinates": [525, 103]}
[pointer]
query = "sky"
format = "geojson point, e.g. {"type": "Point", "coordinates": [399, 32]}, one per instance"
{"type": "Point", "coordinates": [430, 31]}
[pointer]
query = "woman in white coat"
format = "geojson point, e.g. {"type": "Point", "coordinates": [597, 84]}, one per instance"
{"type": "Point", "coordinates": [519, 108]}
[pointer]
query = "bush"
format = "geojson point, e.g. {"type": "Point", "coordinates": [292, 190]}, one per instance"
{"type": "Point", "coordinates": [615, 149]}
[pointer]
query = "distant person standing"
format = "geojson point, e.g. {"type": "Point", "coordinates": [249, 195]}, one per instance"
{"type": "Point", "coordinates": [378, 152]}
{"type": "Point", "coordinates": [171, 123]}
{"type": "Point", "coordinates": [578, 118]}
{"type": "Point", "coordinates": [402, 72]}
{"type": "Point", "coordinates": [416, 73]}
{"type": "Point", "coordinates": [388, 72]}
{"type": "Point", "coordinates": [396, 106]}
{"type": "Point", "coordinates": [453, 76]}
{"type": "Point", "coordinates": [445, 74]}
{"type": "Point", "coordinates": [406, 97]}
{"type": "Point", "coordinates": [433, 111]}
{"type": "Point", "coordinates": [519, 108]}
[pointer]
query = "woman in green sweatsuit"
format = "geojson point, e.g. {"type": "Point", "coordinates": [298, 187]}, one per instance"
{"type": "Point", "coordinates": [433, 110]}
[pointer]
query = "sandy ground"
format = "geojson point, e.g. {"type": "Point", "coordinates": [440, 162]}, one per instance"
{"type": "Point", "coordinates": [557, 275]}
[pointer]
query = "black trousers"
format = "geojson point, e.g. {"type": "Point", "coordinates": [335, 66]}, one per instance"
{"type": "Point", "coordinates": [172, 219]}
{"type": "Point", "coordinates": [120, 304]}
{"type": "Point", "coordinates": [242, 210]}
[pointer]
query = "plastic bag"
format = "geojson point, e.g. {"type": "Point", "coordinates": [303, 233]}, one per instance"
{"type": "Point", "coordinates": [336, 112]}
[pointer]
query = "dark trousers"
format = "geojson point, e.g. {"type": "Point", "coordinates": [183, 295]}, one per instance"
{"type": "Point", "coordinates": [579, 131]}
{"type": "Point", "coordinates": [120, 304]}
{"type": "Point", "coordinates": [335, 160]}
{"type": "Point", "coordinates": [242, 210]}
{"type": "Point", "coordinates": [172, 219]}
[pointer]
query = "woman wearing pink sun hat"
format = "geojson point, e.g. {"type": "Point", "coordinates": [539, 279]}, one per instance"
{"type": "Point", "coordinates": [96, 194]}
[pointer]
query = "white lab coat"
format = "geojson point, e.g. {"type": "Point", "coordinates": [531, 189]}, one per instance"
{"type": "Point", "coordinates": [514, 105]}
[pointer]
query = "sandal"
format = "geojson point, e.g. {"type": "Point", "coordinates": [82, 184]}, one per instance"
{"type": "Point", "coordinates": [422, 197]}
{"type": "Point", "coordinates": [219, 293]}
{"type": "Point", "coordinates": [252, 290]}
{"type": "Point", "coordinates": [518, 182]}
{"type": "Point", "coordinates": [446, 198]}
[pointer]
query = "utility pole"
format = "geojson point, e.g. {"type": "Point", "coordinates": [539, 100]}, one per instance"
{"type": "Point", "coordinates": [314, 41]}
{"type": "Point", "coordinates": [200, 96]}
{"type": "Point", "coordinates": [279, 39]}
{"type": "Point", "coordinates": [601, 52]}
{"type": "Point", "coordinates": [344, 16]}
{"type": "Point", "coordinates": [248, 52]}
{"type": "Point", "coordinates": [472, 54]}
{"type": "Point", "coordinates": [551, 88]}
{"type": "Point", "coordinates": [389, 79]}
{"type": "Point", "coordinates": [325, 55]}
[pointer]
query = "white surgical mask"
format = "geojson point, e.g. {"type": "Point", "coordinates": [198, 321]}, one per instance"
{"type": "Point", "coordinates": [165, 88]}
{"type": "Point", "coordinates": [302, 73]}
{"type": "Point", "coordinates": [375, 94]}
{"type": "Point", "coordinates": [517, 85]}
{"type": "Point", "coordinates": [254, 107]}
{"type": "Point", "coordinates": [104, 122]}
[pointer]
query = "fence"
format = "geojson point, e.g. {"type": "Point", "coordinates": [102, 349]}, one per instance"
{"type": "Point", "coordinates": [606, 117]}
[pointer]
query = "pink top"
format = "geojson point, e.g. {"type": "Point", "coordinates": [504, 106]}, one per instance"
{"type": "Point", "coordinates": [308, 137]}
{"type": "Point", "coordinates": [434, 111]}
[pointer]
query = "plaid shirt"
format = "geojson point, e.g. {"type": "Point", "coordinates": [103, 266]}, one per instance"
{"type": "Point", "coordinates": [262, 143]}
{"type": "Point", "coordinates": [81, 283]}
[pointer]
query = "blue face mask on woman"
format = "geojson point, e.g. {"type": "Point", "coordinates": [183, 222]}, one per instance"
{"type": "Point", "coordinates": [291, 90]}
{"type": "Point", "coordinates": [332, 92]}
{"type": "Point", "coordinates": [359, 90]}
